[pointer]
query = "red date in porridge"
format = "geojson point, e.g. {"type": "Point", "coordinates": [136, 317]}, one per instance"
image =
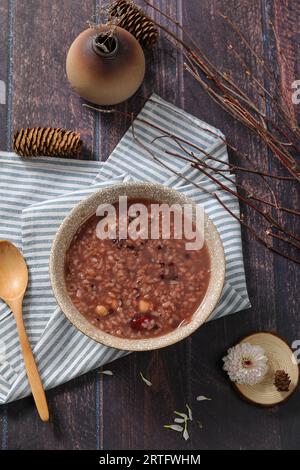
{"type": "Point", "coordinates": [135, 288]}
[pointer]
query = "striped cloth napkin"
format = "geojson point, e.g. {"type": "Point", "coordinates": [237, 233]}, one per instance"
{"type": "Point", "coordinates": [35, 197]}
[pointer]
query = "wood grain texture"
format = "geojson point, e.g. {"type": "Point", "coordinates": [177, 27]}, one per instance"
{"type": "Point", "coordinates": [286, 17]}
{"type": "Point", "coordinates": [208, 379]}
{"type": "Point", "coordinates": [72, 419]}
{"type": "Point", "coordinates": [4, 54]}
{"type": "Point", "coordinates": [120, 412]}
{"type": "Point", "coordinates": [43, 31]}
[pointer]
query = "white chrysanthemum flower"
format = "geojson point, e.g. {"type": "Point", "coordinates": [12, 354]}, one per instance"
{"type": "Point", "coordinates": [246, 364]}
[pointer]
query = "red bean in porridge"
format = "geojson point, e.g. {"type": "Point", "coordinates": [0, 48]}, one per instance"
{"type": "Point", "coordinates": [135, 288]}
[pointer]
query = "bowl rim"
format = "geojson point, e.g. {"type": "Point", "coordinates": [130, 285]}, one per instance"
{"type": "Point", "coordinates": [82, 212]}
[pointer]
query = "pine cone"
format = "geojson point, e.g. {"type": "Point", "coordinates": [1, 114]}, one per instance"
{"type": "Point", "coordinates": [130, 17]}
{"type": "Point", "coordinates": [282, 381]}
{"type": "Point", "coordinates": [46, 141]}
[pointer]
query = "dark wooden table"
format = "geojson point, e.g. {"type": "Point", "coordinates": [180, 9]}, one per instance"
{"type": "Point", "coordinates": [95, 412]}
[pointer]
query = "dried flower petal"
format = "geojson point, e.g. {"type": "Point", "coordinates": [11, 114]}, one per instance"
{"type": "Point", "coordinates": [203, 398]}
{"type": "Point", "coordinates": [190, 412]}
{"type": "Point", "coordinates": [174, 427]}
{"type": "Point", "coordinates": [106, 372]}
{"type": "Point", "coordinates": [179, 420]}
{"type": "Point", "coordinates": [147, 382]}
{"type": "Point", "coordinates": [186, 435]}
{"type": "Point", "coordinates": [183, 419]}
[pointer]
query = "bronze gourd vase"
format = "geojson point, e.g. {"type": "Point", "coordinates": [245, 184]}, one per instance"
{"type": "Point", "coordinates": [105, 66]}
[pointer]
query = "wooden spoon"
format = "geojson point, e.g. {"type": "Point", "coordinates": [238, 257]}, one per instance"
{"type": "Point", "coordinates": [13, 284]}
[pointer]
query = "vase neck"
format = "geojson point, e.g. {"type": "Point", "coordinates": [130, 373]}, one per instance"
{"type": "Point", "coordinates": [106, 45]}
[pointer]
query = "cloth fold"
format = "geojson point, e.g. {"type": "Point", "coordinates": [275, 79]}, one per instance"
{"type": "Point", "coordinates": [35, 197]}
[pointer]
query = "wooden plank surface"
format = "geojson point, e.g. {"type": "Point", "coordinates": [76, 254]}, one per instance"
{"type": "Point", "coordinates": [41, 96]}
{"type": "Point", "coordinates": [208, 378]}
{"type": "Point", "coordinates": [120, 412]}
{"type": "Point", "coordinates": [43, 32]}
{"type": "Point", "coordinates": [286, 19]}
{"type": "Point", "coordinates": [4, 124]}
{"type": "Point", "coordinates": [4, 55]}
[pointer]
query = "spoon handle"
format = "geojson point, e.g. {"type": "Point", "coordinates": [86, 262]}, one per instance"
{"type": "Point", "coordinates": [31, 368]}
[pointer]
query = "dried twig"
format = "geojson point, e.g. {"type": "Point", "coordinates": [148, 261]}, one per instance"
{"type": "Point", "coordinates": [226, 93]}
{"type": "Point", "coordinates": [287, 237]}
{"type": "Point", "coordinates": [217, 197]}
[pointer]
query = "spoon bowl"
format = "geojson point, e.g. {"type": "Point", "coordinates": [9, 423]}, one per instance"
{"type": "Point", "coordinates": [13, 272]}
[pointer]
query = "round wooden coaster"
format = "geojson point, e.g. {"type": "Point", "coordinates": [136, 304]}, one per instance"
{"type": "Point", "coordinates": [280, 357]}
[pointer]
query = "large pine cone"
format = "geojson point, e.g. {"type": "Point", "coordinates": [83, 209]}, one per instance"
{"type": "Point", "coordinates": [133, 19]}
{"type": "Point", "coordinates": [46, 141]}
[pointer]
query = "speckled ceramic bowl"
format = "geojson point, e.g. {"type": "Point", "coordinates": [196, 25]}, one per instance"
{"type": "Point", "coordinates": [85, 210]}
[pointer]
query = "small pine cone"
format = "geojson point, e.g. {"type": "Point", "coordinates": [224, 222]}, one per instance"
{"type": "Point", "coordinates": [282, 381]}
{"type": "Point", "coordinates": [46, 141]}
{"type": "Point", "coordinates": [130, 17]}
